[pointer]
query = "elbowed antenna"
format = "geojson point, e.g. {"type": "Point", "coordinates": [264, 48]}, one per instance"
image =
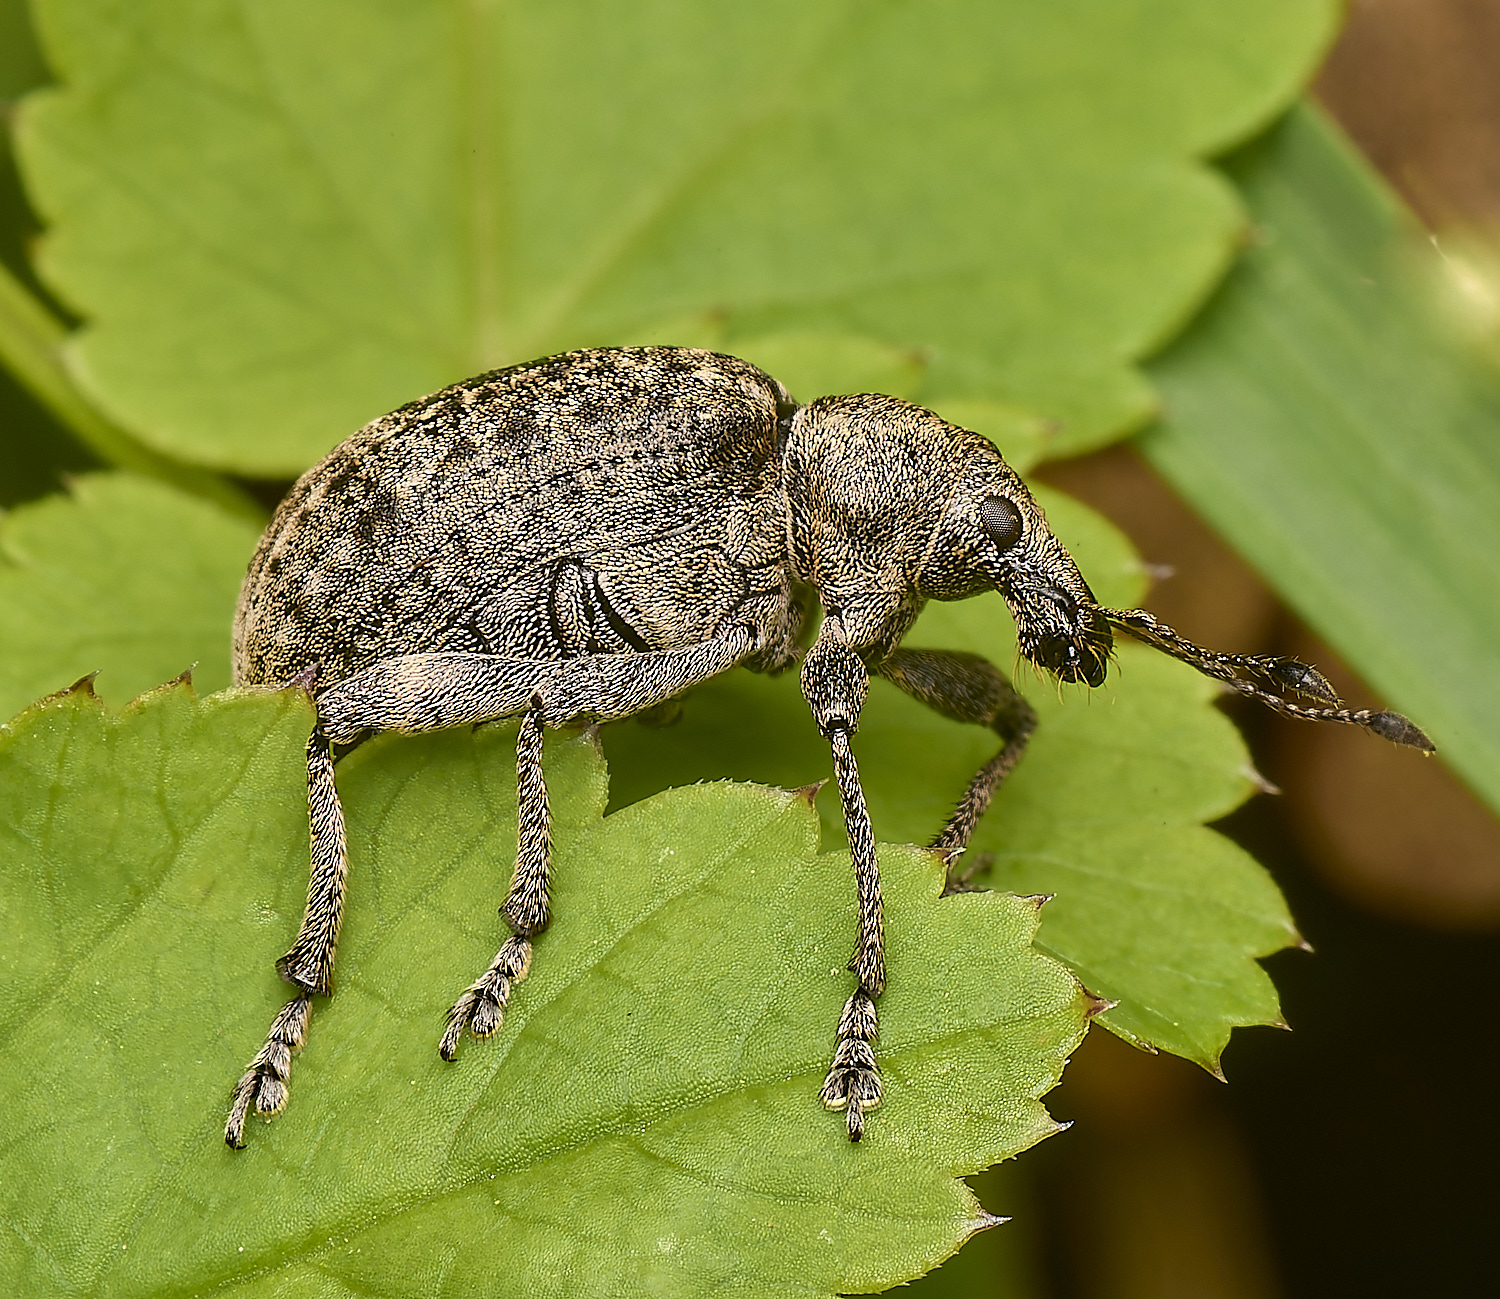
{"type": "Point", "coordinates": [1259, 675]}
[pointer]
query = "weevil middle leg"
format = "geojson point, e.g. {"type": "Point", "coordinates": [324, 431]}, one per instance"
{"type": "Point", "coordinates": [481, 1006]}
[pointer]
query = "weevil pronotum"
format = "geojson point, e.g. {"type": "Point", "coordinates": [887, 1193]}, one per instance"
{"type": "Point", "coordinates": [587, 536]}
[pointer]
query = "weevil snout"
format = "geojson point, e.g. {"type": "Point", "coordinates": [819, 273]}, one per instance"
{"type": "Point", "coordinates": [1082, 652]}
{"type": "Point", "coordinates": [1064, 633]}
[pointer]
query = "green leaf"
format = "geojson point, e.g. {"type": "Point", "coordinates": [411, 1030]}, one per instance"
{"type": "Point", "coordinates": [284, 219]}
{"type": "Point", "coordinates": [20, 60]}
{"type": "Point", "coordinates": [1342, 440]}
{"type": "Point", "coordinates": [33, 453]}
{"type": "Point", "coordinates": [48, 428]}
{"type": "Point", "coordinates": [823, 364]}
{"type": "Point", "coordinates": [1105, 811]}
{"type": "Point", "coordinates": [646, 1120]}
{"type": "Point", "coordinates": [125, 577]}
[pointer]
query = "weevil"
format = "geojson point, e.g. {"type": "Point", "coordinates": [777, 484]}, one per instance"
{"type": "Point", "coordinates": [587, 536]}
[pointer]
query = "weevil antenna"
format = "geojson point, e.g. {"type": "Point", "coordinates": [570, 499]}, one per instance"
{"type": "Point", "coordinates": [1261, 676]}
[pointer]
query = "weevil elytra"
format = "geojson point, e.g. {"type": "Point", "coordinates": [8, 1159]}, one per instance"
{"type": "Point", "coordinates": [587, 536]}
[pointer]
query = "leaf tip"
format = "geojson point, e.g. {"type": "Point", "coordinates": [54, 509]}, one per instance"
{"type": "Point", "coordinates": [982, 1220]}
{"type": "Point", "coordinates": [81, 692]}
{"type": "Point", "coordinates": [1258, 781]}
{"type": "Point", "coordinates": [306, 679]}
{"type": "Point", "coordinates": [808, 793]}
{"type": "Point", "coordinates": [1094, 1006]}
{"type": "Point", "coordinates": [182, 683]}
{"type": "Point", "coordinates": [83, 686]}
{"type": "Point", "coordinates": [83, 689]}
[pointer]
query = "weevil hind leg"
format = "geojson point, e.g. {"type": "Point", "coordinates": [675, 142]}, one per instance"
{"type": "Point", "coordinates": [480, 1008]}
{"type": "Point", "coordinates": [308, 966]}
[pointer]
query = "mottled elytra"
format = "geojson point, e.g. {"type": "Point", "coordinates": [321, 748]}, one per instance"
{"type": "Point", "coordinates": [587, 536]}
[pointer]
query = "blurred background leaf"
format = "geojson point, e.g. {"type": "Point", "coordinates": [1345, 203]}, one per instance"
{"type": "Point", "coordinates": [48, 426]}
{"type": "Point", "coordinates": [122, 576]}
{"type": "Point", "coordinates": [284, 220]}
{"type": "Point", "coordinates": [1320, 417]}
{"type": "Point", "coordinates": [35, 450]}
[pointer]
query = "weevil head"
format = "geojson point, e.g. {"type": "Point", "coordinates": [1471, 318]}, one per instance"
{"type": "Point", "coordinates": [993, 535]}
{"type": "Point", "coordinates": [886, 495]}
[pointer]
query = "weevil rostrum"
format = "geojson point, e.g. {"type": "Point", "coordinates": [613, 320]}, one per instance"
{"type": "Point", "coordinates": [584, 537]}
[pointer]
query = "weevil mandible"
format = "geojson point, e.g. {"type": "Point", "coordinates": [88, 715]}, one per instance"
{"type": "Point", "coordinates": [587, 536]}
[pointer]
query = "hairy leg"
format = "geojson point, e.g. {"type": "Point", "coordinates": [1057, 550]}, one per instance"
{"type": "Point", "coordinates": [585, 689]}
{"type": "Point", "coordinates": [481, 1006]}
{"type": "Point", "coordinates": [308, 966]}
{"type": "Point", "coordinates": [966, 688]}
{"type": "Point", "coordinates": [835, 682]}
{"type": "Point", "coordinates": [427, 692]}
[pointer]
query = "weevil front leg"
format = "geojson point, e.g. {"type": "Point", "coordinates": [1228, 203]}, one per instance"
{"type": "Point", "coordinates": [835, 683]}
{"type": "Point", "coordinates": [966, 688]}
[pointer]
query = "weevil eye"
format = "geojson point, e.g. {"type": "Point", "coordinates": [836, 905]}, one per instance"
{"type": "Point", "coordinates": [1001, 520]}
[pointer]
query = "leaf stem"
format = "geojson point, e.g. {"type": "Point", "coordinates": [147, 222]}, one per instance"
{"type": "Point", "coordinates": [31, 344]}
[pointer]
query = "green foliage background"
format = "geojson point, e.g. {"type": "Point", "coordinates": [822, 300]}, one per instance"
{"type": "Point", "coordinates": [267, 223]}
{"type": "Point", "coordinates": [1329, 421]}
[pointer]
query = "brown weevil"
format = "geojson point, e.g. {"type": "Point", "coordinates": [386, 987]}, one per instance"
{"type": "Point", "coordinates": [587, 536]}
